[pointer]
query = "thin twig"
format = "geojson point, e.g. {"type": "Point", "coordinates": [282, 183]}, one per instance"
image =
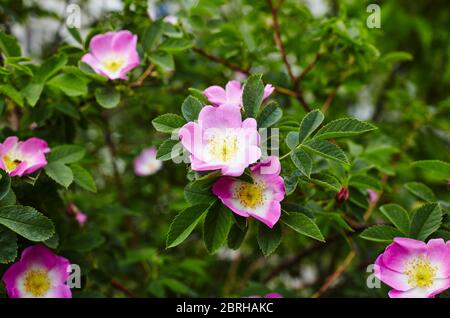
{"type": "Point", "coordinates": [148, 71]}
{"type": "Point", "coordinates": [329, 100]}
{"type": "Point", "coordinates": [122, 288]}
{"type": "Point", "coordinates": [309, 67]}
{"type": "Point", "coordinates": [220, 60]}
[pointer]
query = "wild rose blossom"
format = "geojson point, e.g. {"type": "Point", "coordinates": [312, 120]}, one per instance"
{"type": "Point", "coordinates": [113, 54]}
{"type": "Point", "coordinates": [260, 199]}
{"type": "Point", "coordinates": [221, 140]}
{"type": "Point", "coordinates": [146, 163]}
{"type": "Point", "coordinates": [19, 158]}
{"type": "Point", "coordinates": [232, 94]}
{"type": "Point", "coordinates": [38, 274]}
{"type": "Point", "coordinates": [415, 269]}
{"type": "Point", "coordinates": [74, 211]}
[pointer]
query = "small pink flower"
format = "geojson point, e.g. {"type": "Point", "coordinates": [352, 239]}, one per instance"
{"type": "Point", "coordinates": [81, 218]}
{"type": "Point", "coordinates": [232, 94]}
{"type": "Point", "coordinates": [415, 269]}
{"type": "Point", "coordinates": [373, 195]}
{"type": "Point", "coordinates": [146, 163]}
{"type": "Point", "coordinates": [75, 212]}
{"type": "Point", "coordinates": [38, 274]}
{"type": "Point", "coordinates": [273, 295]}
{"type": "Point", "coordinates": [221, 140]}
{"type": "Point", "coordinates": [260, 199]}
{"type": "Point", "coordinates": [19, 158]}
{"type": "Point", "coordinates": [113, 54]}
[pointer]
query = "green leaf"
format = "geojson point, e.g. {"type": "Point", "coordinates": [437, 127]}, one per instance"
{"type": "Point", "coordinates": [292, 140]}
{"type": "Point", "coordinates": [236, 236]}
{"type": "Point", "coordinates": [32, 92]}
{"type": "Point", "coordinates": [167, 123]}
{"type": "Point", "coordinates": [60, 173]}
{"type": "Point", "coordinates": [270, 115]}
{"type": "Point", "coordinates": [9, 45]}
{"type": "Point", "coordinates": [302, 161]}
{"type": "Point", "coordinates": [190, 108]}
{"type": "Point", "coordinates": [49, 68]}
{"type": "Point", "coordinates": [89, 72]}
{"type": "Point", "coordinates": [75, 33]}
{"type": "Point", "coordinates": [381, 233]}
{"type": "Point", "coordinates": [12, 93]}
{"type": "Point", "coordinates": [421, 191]}
{"type": "Point", "coordinates": [83, 241]}
{"type": "Point", "coordinates": [253, 95]}
{"type": "Point", "coordinates": [425, 220]}
{"type": "Point", "coordinates": [309, 124]}
{"type": "Point", "coordinates": [176, 45]}
{"type": "Point", "coordinates": [440, 168]}
{"type": "Point", "coordinates": [268, 239]}
{"type": "Point", "coordinates": [443, 234]}
{"type": "Point", "coordinates": [397, 216]}
{"type": "Point", "coordinates": [345, 127]}
{"type": "Point", "coordinates": [216, 227]}
{"type": "Point", "coordinates": [5, 184]}
{"type": "Point", "coordinates": [83, 178]}
{"type": "Point", "coordinates": [66, 154]}
{"type": "Point", "coordinates": [397, 56]}
{"type": "Point", "coordinates": [199, 95]}
{"type": "Point", "coordinates": [365, 182]}
{"type": "Point", "coordinates": [326, 149]}
{"type": "Point", "coordinates": [163, 59]}
{"type": "Point", "coordinates": [184, 223]}
{"type": "Point", "coordinates": [327, 180]}
{"type": "Point", "coordinates": [27, 222]}
{"type": "Point", "coordinates": [303, 225]}
{"type": "Point", "coordinates": [199, 191]}
{"type": "Point", "coordinates": [107, 97]}
{"type": "Point", "coordinates": [169, 149]}
{"type": "Point", "coordinates": [8, 245]}
{"type": "Point", "coordinates": [152, 35]}
{"type": "Point", "coordinates": [69, 84]}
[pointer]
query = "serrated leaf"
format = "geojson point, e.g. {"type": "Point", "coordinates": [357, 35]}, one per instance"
{"type": "Point", "coordinates": [152, 36]}
{"type": "Point", "coordinates": [252, 95]}
{"type": "Point", "coordinates": [27, 222]}
{"type": "Point", "coordinates": [326, 149]}
{"type": "Point", "coordinates": [425, 220]}
{"type": "Point", "coordinates": [421, 191]}
{"type": "Point", "coordinates": [345, 127]}
{"type": "Point", "coordinates": [327, 180]}
{"type": "Point", "coordinates": [302, 161]}
{"type": "Point", "coordinates": [381, 233]}
{"type": "Point", "coordinates": [5, 184]}
{"type": "Point", "coordinates": [69, 84]}
{"type": "Point", "coordinates": [199, 192]}
{"type": "Point", "coordinates": [176, 45]}
{"type": "Point", "coordinates": [66, 154]}
{"type": "Point", "coordinates": [268, 239]}
{"type": "Point", "coordinates": [397, 216]}
{"type": "Point", "coordinates": [107, 97]}
{"type": "Point", "coordinates": [190, 108]}
{"type": "Point", "coordinates": [309, 124]}
{"type": "Point", "coordinates": [8, 245]}
{"type": "Point", "coordinates": [60, 173]}
{"type": "Point", "coordinates": [83, 178]}
{"type": "Point", "coordinates": [270, 115]}
{"type": "Point", "coordinates": [9, 45]}
{"type": "Point", "coordinates": [11, 92]}
{"type": "Point", "coordinates": [163, 59]}
{"type": "Point", "coordinates": [216, 227]}
{"type": "Point", "coordinates": [167, 123]}
{"type": "Point", "coordinates": [236, 236]}
{"type": "Point", "coordinates": [292, 139]}
{"type": "Point", "coordinates": [49, 68]}
{"type": "Point", "coordinates": [303, 225]}
{"type": "Point", "coordinates": [32, 92]}
{"type": "Point", "coordinates": [169, 149]}
{"type": "Point", "coordinates": [184, 223]}
{"type": "Point", "coordinates": [365, 182]}
{"type": "Point", "coordinates": [440, 168]}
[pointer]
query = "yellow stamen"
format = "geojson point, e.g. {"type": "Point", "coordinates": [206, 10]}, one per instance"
{"type": "Point", "coordinates": [37, 283]}
{"type": "Point", "coordinates": [420, 272]}
{"type": "Point", "coordinates": [223, 148]}
{"type": "Point", "coordinates": [250, 195]}
{"type": "Point", "coordinates": [113, 65]}
{"type": "Point", "coordinates": [10, 164]}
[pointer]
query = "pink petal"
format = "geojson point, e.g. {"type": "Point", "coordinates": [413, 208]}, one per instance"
{"type": "Point", "coordinates": [215, 95]}
{"type": "Point", "coordinates": [392, 278]}
{"type": "Point", "coordinates": [268, 90]}
{"type": "Point", "coordinates": [225, 116]}
{"type": "Point", "coordinates": [233, 93]}
{"type": "Point", "coordinates": [401, 251]}
{"type": "Point", "coordinates": [101, 45]}
{"type": "Point", "coordinates": [124, 42]}
{"type": "Point", "coordinates": [439, 255]}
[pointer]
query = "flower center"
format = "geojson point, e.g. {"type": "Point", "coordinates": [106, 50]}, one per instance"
{"type": "Point", "coordinates": [113, 65]}
{"type": "Point", "coordinates": [223, 148]}
{"type": "Point", "coordinates": [11, 164]}
{"type": "Point", "coordinates": [250, 194]}
{"type": "Point", "coordinates": [420, 272]}
{"type": "Point", "coordinates": [37, 282]}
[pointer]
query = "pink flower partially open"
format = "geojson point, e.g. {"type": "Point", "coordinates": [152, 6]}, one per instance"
{"type": "Point", "coordinates": [415, 269]}
{"type": "Point", "coordinates": [260, 199]}
{"type": "Point", "coordinates": [146, 163]}
{"type": "Point", "coordinates": [113, 54]}
{"type": "Point", "coordinates": [38, 274]}
{"type": "Point", "coordinates": [221, 140]}
{"type": "Point", "coordinates": [19, 158]}
{"type": "Point", "coordinates": [232, 94]}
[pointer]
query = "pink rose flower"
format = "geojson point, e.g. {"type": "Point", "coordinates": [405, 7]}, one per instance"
{"type": "Point", "coordinates": [415, 269]}
{"type": "Point", "coordinates": [221, 140]}
{"type": "Point", "coordinates": [260, 199]}
{"type": "Point", "coordinates": [19, 158]}
{"type": "Point", "coordinates": [232, 94]}
{"type": "Point", "coordinates": [146, 163]}
{"type": "Point", "coordinates": [38, 274]}
{"type": "Point", "coordinates": [113, 54]}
